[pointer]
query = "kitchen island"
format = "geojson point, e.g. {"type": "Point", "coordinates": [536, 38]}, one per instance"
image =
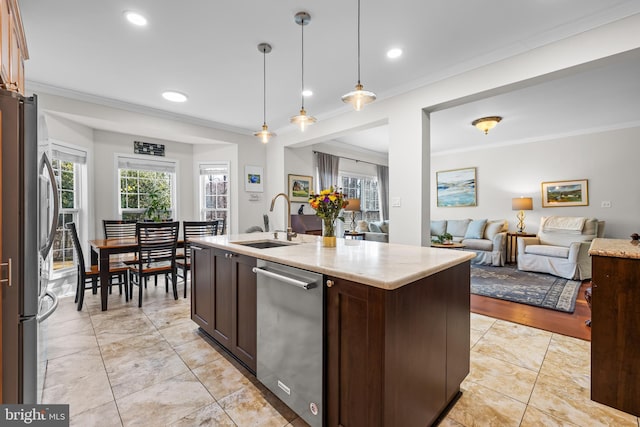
{"type": "Point", "coordinates": [396, 320]}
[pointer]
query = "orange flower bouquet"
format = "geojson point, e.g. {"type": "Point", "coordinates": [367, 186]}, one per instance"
{"type": "Point", "coordinates": [328, 205]}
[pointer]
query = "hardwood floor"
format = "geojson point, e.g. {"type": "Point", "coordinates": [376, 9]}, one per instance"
{"type": "Point", "coordinates": [570, 324]}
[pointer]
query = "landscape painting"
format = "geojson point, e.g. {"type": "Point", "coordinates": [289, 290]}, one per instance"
{"type": "Point", "coordinates": [456, 188]}
{"type": "Point", "coordinates": [300, 188]}
{"type": "Point", "coordinates": [565, 193]}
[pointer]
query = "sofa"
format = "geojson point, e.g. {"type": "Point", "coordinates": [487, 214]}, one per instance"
{"type": "Point", "coordinates": [487, 238]}
{"type": "Point", "coordinates": [561, 247]}
{"type": "Point", "coordinates": [377, 231]}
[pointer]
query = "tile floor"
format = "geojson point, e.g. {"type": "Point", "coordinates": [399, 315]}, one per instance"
{"type": "Point", "coordinates": [152, 367]}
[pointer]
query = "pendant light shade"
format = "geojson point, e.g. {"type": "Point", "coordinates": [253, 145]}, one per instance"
{"type": "Point", "coordinates": [359, 97]}
{"type": "Point", "coordinates": [302, 120]}
{"type": "Point", "coordinates": [264, 134]}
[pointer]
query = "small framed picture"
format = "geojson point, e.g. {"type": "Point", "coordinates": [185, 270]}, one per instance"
{"type": "Point", "coordinates": [565, 193]}
{"type": "Point", "coordinates": [456, 188]}
{"type": "Point", "coordinates": [253, 179]}
{"type": "Point", "coordinates": [300, 187]}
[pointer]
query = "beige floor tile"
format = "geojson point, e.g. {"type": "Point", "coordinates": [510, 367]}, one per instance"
{"type": "Point", "coordinates": [515, 344]}
{"type": "Point", "coordinates": [248, 407]}
{"type": "Point", "coordinates": [117, 352]}
{"type": "Point", "coordinates": [69, 326]}
{"type": "Point", "coordinates": [481, 323]}
{"type": "Point", "coordinates": [480, 406]}
{"type": "Point", "coordinates": [181, 333]}
{"type": "Point", "coordinates": [68, 368]}
{"type": "Point", "coordinates": [106, 415]}
{"type": "Point", "coordinates": [164, 403]}
{"type": "Point", "coordinates": [65, 345]}
{"type": "Point", "coordinates": [448, 422]}
{"type": "Point", "coordinates": [198, 352]}
{"type": "Point", "coordinates": [221, 378]}
{"type": "Point", "coordinates": [503, 377]}
{"type": "Point", "coordinates": [570, 402]}
{"type": "Point", "coordinates": [211, 415]}
{"type": "Point", "coordinates": [475, 336]}
{"type": "Point", "coordinates": [536, 418]}
{"type": "Point", "coordinates": [165, 317]}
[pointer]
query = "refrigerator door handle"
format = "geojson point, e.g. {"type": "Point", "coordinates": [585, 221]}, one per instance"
{"type": "Point", "coordinates": [9, 279]}
{"type": "Point", "coordinates": [42, 317]}
{"type": "Point", "coordinates": [44, 250]}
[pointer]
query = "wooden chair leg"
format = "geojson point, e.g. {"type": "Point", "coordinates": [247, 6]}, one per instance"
{"type": "Point", "coordinates": [94, 285]}
{"type": "Point", "coordinates": [81, 297]}
{"type": "Point", "coordinates": [174, 279]}
{"type": "Point", "coordinates": [139, 294]}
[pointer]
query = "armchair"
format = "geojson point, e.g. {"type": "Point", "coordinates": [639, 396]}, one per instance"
{"type": "Point", "coordinates": [561, 247]}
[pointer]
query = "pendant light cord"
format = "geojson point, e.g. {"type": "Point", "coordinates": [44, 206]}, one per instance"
{"type": "Point", "coordinates": [264, 85]}
{"type": "Point", "coordinates": [302, 89]}
{"type": "Point", "coordinates": [358, 41]}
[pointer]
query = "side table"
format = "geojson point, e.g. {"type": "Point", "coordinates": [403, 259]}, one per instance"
{"type": "Point", "coordinates": [355, 235]}
{"type": "Point", "coordinates": [512, 245]}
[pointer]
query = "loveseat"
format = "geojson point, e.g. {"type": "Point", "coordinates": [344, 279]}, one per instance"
{"type": "Point", "coordinates": [377, 231]}
{"type": "Point", "coordinates": [488, 239]}
{"type": "Point", "coordinates": [561, 247]}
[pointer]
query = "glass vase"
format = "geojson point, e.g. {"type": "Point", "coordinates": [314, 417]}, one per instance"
{"type": "Point", "coordinates": [328, 232]}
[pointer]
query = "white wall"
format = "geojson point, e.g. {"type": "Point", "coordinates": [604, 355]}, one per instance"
{"type": "Point", "coordinates": [609, 160]}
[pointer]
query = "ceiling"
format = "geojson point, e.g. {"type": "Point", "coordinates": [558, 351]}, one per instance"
{"type": "Point", "coordinates": [208, 51]}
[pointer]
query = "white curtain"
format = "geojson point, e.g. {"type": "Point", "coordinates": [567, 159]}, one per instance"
{"type": "Point", "coordinates": [326, 166]}
{"type": "Point", "coordinates": [383, 190]}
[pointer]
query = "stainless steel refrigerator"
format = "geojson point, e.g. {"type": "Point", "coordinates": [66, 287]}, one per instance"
{"type": "Point", "coordinates": [28, 228]}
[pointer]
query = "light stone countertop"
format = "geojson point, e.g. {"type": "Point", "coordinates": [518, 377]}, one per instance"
{"type": "Point", "coordinates": [383, 265]}
{"type": "Point", "coordinates": [617, 248]}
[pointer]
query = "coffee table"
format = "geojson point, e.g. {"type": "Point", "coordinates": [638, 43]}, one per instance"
{"type": "Point", "coordinates": [448, 245]}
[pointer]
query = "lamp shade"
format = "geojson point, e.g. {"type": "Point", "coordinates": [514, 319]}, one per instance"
{"type": "Point", "coordinates": [522, 203]}
{"type": "Point", "coordinates": [354, 205]}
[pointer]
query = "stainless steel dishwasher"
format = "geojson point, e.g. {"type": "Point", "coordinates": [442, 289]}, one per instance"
{"type": "Point", "coordinates": [290, 336]}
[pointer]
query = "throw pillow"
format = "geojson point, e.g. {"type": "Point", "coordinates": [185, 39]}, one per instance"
{"type": "Point", "coordinates": [374, 228]}
{"type": "Point", "coordinates": [493, 228]}
{"type": "Point", "coordinates": [384, 227]}
{"type": "Point", "coordinates": [438, 227]}
{"type": "Point", "coordinates": [362, 226]}
{"type": "Point", "coordinates": [475, 230]}
{"type": "Point", "coordinates": [457, 227]}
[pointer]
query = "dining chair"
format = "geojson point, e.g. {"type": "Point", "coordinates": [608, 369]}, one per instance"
{"type": "Point", "coordinates": [90, 277]}
{"type": "Point", "coordinates": [190, 230]}
{"type": "Point", "coordinates": [157, 242]}
{"type": "Point", "coordinates": [222, 223]}
{"type": "Point", "coordinates": [118, 228]}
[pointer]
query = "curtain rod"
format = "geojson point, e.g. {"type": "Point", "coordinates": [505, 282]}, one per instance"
{"type": "Point", "coordinates": [349, 158]}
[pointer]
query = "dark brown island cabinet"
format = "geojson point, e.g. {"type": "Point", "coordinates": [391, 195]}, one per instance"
{"type": "Point", "coordinates": [223, 299]}
{"type": "Point", "coordinates": [392, 357]}
{"type": "Point", "coordinates": [615, 332]}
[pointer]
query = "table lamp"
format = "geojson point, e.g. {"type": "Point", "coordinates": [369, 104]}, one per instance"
{"type": "Point", "coordinates": [353, 207]}
{"type": "Point", "coordinates": [521, 204]}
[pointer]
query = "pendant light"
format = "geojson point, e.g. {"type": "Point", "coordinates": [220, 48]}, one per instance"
{"type": "Point", "coordinates": [359, 97]}
{"type": "Point", "coordinates": [302, 120]}
{"type": "Point", "coordinates": [264, 134]}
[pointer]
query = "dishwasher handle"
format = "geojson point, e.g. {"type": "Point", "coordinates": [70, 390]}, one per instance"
{"type": "Point", "coordinates": [288, 280]}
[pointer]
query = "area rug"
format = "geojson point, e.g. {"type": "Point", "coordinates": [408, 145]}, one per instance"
{"type": "Point", "coordinates": [537, 289]}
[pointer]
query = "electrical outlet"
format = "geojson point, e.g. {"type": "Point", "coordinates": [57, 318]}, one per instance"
{"type": "Point", "coordinates": [605, 204]}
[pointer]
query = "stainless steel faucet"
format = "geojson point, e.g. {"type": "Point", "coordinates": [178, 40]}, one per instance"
{"type": "Point", "coordinates": [290, 232]}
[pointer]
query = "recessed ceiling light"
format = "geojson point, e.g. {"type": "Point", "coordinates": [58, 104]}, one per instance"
{"type": "Point", "coordinates": [394, 53]}
{"type": "Point", "coordinates": [174, 96]}
{"type": "Point", "coordinates": [135, 18]}
{"type": "Point", "coordinates": [307, 92]}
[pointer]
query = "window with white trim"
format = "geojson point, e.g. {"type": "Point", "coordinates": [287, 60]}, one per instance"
{"type": "Point", "coordinates": [138, 178]}
{"type": "Point", "coordinates": [364, 188]}
{"type": "Point", "coordinates": [67, 163]}
{"type": "Point", "coordinates": [215, 192]}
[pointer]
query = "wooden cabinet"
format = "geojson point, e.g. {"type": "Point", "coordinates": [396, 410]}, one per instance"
{"type": "Point", "coordinates": [396, 357]}
{"type": "Point", "coordinates": [13, 45]}
{"type": "Point", "coordinates": [615, 333]}
{"type": "Point", "coordinates": [223, 299]}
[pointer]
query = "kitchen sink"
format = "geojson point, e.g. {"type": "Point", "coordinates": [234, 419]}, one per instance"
{"type": "Point", "coordinates": [264, 244]}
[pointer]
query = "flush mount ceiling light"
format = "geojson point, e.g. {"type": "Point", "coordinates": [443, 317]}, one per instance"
{"type": "Point", "coordinates": [135, 18]}
{"type": "Point", "coordinates": [486, 123]}
{"type": "Point", "coordinates": [302, 120]}
{"type": "Point", "coordinates": [174, 96]}
{"type": "Point", "coordinates": [359, 97]}
{"type": "Point", "coordinates": [264, 134]}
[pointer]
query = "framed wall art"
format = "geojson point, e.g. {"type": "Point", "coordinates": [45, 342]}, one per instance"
{"type": "Point", "coordinates": [456, 188]}
{"type": "Point", "coordinates": [565, 193]}
{"type": "Point", "coordinates": [253, 179]}
{"type": "Point", "coordinates": [300, 188]}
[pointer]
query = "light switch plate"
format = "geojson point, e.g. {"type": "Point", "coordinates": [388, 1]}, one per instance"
{"type": "Point", "coordinates": [395, 202]}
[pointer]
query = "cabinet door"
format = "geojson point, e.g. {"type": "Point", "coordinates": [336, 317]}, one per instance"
{"type": "Point", "coordinates": [355, 335]}
{"type": "Point", "coordinates": [222, 297]}
{"type": "Point", "coordinates": [244, 316]}
{"type": "Point", "coordinates": [201, 287]}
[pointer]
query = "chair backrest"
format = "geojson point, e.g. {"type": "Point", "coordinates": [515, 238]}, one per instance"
{"type": "Point", "coordinates": [157, 241]}
{"type": "Point", "coordinates": [118, 228]}
{"type": "Point", "coordinates": [193, 229]}
{"type": "Point", "coordinates": [76, 244]}
{"type": "Point", "coordinates": [221, 225]}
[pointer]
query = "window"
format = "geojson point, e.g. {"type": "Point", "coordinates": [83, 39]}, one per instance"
{"type": "Point", "coordinates": [214, 192]}
{"type": "Point", "coordinates": [140, 178]}
{"type": "Point", "coordinates": [364, 188]}
{"type": "Point", "coordinates": [67, 163]}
